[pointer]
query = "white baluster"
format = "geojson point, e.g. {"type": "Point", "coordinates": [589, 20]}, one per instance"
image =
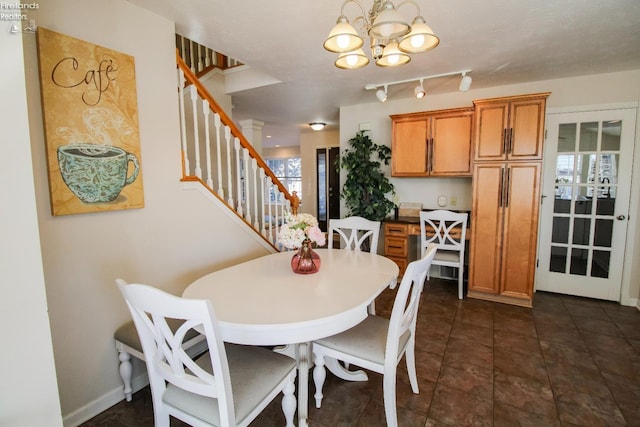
{"type": "Point", "coordinates": [200, 67]}
{"type": "Point", "coordinates": [247, 190]}
{"type": "Point", "coordinates": [196, 135]}
{"type": "Point", "coordinates": [207, 58]}
{"type": "Point", "coordinates": [206, 109]}
{"type": "Point", "coordinates": [183, 125]}
{"type": "Point", "coordinates": [227, 137]}
{"type": "Point", "coordinates": [238, 162]}
{"type": "Point", "coordinates": [262, 178]}
{"type": "Point", "coordinates": [192, 65]}
{"type": "Point", "coordinates": [272, 223]}
{"type": "Point", "coordinates": [216, 123]}
{"type": "Point", "coordinates": [254, 182]}
{"type": "Point", "coordinates": [183, 51]}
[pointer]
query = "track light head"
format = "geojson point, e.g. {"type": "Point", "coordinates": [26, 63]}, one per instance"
{"type": "Point", "coordinates": [382, 94]}
{"type": "Point", "coordinates": [465, 82]}
{"type": "Point", "coordinates": [419, 91]}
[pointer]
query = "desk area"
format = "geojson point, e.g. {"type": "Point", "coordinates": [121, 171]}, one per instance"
{"type": "Point", "coordinates": [402, 239]}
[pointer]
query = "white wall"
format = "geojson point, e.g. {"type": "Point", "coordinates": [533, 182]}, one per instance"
{"type": "Point", "coordinates": [28, 389]}
{"type": "Point", "coordinates": [588, 90]}
{"type": "Point", "coordinates": [174, 239]}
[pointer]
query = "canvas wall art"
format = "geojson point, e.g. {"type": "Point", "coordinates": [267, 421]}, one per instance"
{"type": "Point", "coordinates": [91, 125]}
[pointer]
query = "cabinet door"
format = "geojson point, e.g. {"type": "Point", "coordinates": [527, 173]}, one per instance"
{"type": "Point", "coordinates": [409, 148]}
{"type": "Point", "coordinates": [486, 228]}
{"type": "Point", "coordinates": [491, 123]}
{"type": "Point", "coordinates": [451, 144]}
{"type": "Point", "coordinates": [526, 127]}
{"type": "Point", "coordinates": [521, 206]}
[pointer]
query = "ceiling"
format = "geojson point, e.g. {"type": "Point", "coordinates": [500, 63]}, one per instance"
{"type": "Point", "coordinates": [501, 41]}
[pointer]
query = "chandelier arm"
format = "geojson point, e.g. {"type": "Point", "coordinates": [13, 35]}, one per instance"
{"type": "Point", "coordinates": [361, 18]}
{"type": "Point", "coordinates": [402, 3]}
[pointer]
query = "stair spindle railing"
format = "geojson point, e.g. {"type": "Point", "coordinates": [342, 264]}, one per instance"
{"type": "Point", "coordinates": [232, 170]}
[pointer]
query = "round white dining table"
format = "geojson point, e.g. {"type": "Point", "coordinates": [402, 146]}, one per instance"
{"type": "Point", "coordinates": [263, 302]}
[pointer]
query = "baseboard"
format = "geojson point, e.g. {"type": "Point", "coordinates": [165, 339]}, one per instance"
{"type": "Point", "coordinates": [102, 403]}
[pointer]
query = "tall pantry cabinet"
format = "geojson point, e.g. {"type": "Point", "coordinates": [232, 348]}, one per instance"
{"type": "Point", "coordinates": [508, 139]}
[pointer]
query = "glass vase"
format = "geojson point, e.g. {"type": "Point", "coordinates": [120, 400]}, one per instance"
{"type": "Point", "coordinates": [305, 261]}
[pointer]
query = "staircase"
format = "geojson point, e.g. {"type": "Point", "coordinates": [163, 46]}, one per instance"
{"type": "Point", "coordinates": [216, 155]}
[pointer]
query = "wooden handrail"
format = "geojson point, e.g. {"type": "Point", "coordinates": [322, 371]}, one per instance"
{"type": "Point", "coordinates": [204, 94]}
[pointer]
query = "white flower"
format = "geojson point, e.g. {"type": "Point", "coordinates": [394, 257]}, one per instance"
{"type": "Point", "coordinates": [299, 228]}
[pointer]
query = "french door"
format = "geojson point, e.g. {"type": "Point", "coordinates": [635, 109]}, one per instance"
{"type": "Point", "coordinates": [585, 206]}
{"type": "Point", "coordinates": [328, 181]}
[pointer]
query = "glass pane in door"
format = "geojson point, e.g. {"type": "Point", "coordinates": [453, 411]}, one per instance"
{"type": "Point", "coordinates": [585, 195]}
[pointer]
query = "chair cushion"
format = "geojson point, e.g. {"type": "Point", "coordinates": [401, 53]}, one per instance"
{"type": "Point", "coordinates": [447, 256]}
{"type": "Point", "coordinates": [128, 335]}
{"type": "Point", "coordinates": [254, 373]}
{"type": "Point", "coordinates": [367, 340]}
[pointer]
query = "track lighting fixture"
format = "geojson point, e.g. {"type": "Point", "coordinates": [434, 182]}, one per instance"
{"type": "Point", "coordinates": [465, 82]}
{"type": "Point", "coordinates": [419, 90]}
{"type": "Point", "coordinates": [382, 94]}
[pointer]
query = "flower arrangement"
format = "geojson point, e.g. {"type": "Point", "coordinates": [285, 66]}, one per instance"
{"type": "Point", "coordinates": [299, 228]}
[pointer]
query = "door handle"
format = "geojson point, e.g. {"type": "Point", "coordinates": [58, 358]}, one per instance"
{"type": "Point", "coordinates": [621, 217]}
{"type": "Point", "coordinates": [507, 190]}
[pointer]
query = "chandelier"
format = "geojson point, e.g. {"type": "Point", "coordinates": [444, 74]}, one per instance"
{"type": "Point", "coordinates": [391, 38]}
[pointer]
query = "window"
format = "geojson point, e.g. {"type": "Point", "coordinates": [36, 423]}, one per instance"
{"type": "Point", "coordinates": [288, 171]}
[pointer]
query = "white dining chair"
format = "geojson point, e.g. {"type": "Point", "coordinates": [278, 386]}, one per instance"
{"type": "Point", "coordinates": [229, 385]}
{"type": "Point", "coordinates": [378, 343]}
{"type": "Point", "coordinates": [355, 232]}
{"type": "Point", "coordinates": [436, 227]}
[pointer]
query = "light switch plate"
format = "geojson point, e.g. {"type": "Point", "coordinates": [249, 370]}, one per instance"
{"type": "Point", "coordinates": [442, 201]}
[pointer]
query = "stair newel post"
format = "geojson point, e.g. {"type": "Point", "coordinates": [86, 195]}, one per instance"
{"type": "Point", "coordinates": [227, 137]}
{"type": "Point", "coordinates": [183, 128]}
{"type": "Point", "coordinates": [196, 133]}
{"type": "Point", "coordinates": [272, 224]}
{"type": "Point", "coordinates": [247, 188]}
{"type": "Point", "coordinates": [216, 123]}
{"type": "Point", "coordinates": [206, 109]}
{"type": "Point", "coordinates": [263, 201]}
{"type": "Point", "coordinates": [238, 162]}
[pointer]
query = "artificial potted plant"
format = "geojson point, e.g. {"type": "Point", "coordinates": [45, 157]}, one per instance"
{"type": "Point", "coordinates": [366, 187]}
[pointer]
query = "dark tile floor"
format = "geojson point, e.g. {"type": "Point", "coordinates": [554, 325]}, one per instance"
{"type": "Point", "coordinates": [568, 361]}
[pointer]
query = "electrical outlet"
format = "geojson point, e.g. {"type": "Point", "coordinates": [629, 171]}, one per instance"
{"type": "Point", "coordinates": [453, 200]}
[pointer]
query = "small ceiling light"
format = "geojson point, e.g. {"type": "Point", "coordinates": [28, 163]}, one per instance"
{"type": "Point", "coordinates": [392, 56]}
{"type": "Point", "coordinates": [382, 94]}
{"type": "Point", "coordinates": [317, 125]}
{"type": "Point", "coordinates": [465, 82]}
{"type": "Point", "coordinates": [352, 60]}
{"type": "Point", "coordinates": [419, 91]}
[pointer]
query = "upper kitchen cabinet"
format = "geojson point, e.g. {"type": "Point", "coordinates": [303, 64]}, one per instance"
{"type": "Point", "coordinates": [432, 143]}
{"type": "Point", "coordinates": [509, 128]}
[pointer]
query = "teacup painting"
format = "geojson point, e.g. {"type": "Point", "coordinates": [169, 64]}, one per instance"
{"type": "Point", "coordinates": [96, 173]}
{"type": "Point", "coordinates": [90, 115]}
